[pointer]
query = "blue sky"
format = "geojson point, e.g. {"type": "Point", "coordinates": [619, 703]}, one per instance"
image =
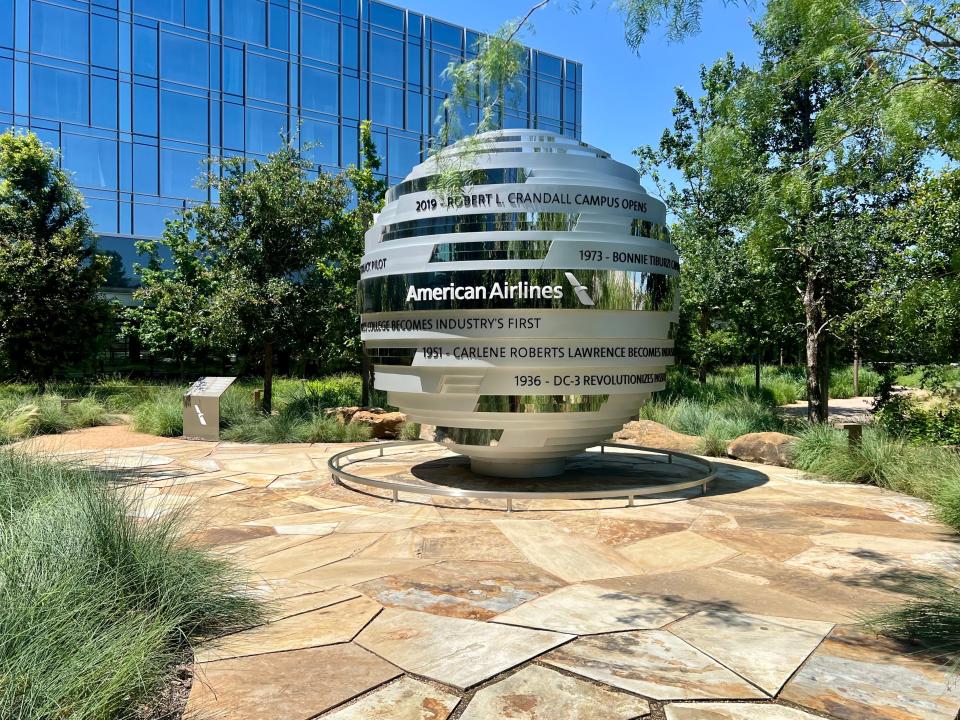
{"type": "Point", "coordinates": [627, 98]}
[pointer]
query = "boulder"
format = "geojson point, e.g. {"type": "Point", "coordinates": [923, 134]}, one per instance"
{"type": "Point", "coordinates": [384, 425]}
{"type": "Point", "coordinates": [655, 435]}
{"type": "Point", "coordinates": [343, 414]}
{"type": "Point", "coordinates": [769, 448]}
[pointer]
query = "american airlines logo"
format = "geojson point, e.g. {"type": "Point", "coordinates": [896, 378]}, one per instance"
{"type": "Point", "coordinates": [579, 290]}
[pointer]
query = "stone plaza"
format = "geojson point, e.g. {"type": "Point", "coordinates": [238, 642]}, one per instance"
{"type": "Point", "coordinates": [743, 603]}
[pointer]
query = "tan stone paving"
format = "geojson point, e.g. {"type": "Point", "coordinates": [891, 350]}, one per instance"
{"type": "Point", "coordinates": [412, 611]}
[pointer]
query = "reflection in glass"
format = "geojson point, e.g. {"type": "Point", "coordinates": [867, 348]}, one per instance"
{"type": "Point", "coordinates": [318, 90]}
{"type": "Point", "coordinates": [59, 32]}
{"type": "Point", "coordinates": [59, 94]}
{"type": "Point", "coordinates": [266, 78]}
{"type": "Point", "coordinates": [320, 38]}
{"type": "Point", "coordinates": [520, 288]}
{"type": "Point", "coordinates": [183, 59]}
{"type": "Point", "coordinates": [490, 250]}
{"type": "Point", "coordinates": [386, 105]}
{"type": "Point", "coordinates": [183, 117]}
{"type": "Point", "coordinates": [245, 20]}
{"type": "Point", "coordinates": [93, 161]}
{"type": "Point", "coordinates": [489, 222]}
{"type": "Point", "coordinates": [540, 403]}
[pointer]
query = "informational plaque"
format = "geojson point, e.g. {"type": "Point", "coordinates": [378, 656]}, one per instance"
{"type": "Point", "coordinates": [527, 315]}
{"type": "Point", "coordinates": [201, 408]}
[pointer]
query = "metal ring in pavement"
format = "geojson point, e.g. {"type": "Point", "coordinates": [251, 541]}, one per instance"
{"type": "Point", "coordinates": [337, 464]}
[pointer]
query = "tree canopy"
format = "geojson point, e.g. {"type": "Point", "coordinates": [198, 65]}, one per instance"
{"type": "Point", "coordinates": [52, 313]}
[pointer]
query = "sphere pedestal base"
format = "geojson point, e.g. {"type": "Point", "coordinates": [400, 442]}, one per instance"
{"type": "Point", "coordinates": [430, 472]}
{"type": "Point", "coordinates": [518, 468]}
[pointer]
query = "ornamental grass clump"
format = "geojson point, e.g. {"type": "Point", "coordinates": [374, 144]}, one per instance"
{"type": "Point", "coordinates": [96, 604]}
{"type": "Point", "coordinates": [931, 619]}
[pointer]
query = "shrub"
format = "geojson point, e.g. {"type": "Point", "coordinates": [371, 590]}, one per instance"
{"type": "Point", "coordinates": [22, 416]}
{"type": "Point", "coordinates": [937, 423]}
{"type": "Point", "coordinates": [410, 431]}
{"type": "Point", "coordinates": [336, 391]}
{"type": "Point", "coordinates": [719, 422]}
{"type": "Point", "coordinates": [161, 415]}
{"type": "Point", "coordinates": [928, 472]}
{"type": "Point", "coordinates": [96, 604]}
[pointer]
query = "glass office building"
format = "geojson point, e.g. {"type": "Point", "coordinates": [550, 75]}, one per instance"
{"type": "Point", "coordinates": [136, 93]}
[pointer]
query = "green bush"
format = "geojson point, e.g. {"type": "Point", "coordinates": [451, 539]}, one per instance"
{"type": "Point", "coordinates": [934, 424]}
{"type": "Point", "coordinates": [882, 459]}
{"type": "Point", "coordinates": [96, 604]}
{"type": "Point", "coordinates": [25, 415]}
{"type": "Point", "coordinates": [161, 415]}
{"type": "Point", "coordinates": [717, 423]}
{"type": "Point", "coordinates": [410, 431]}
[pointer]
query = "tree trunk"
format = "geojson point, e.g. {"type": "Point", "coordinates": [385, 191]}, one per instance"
{"type": "Point", "coordinates": [267, 377]}
{"type": "Point", "coordinates": [856, 368]}
{"type": "Point", "coordinates": [816, 360]}
{"type": "Point", "coordinates": [704, 328]}
{"type": "Point", "coordinates": [756, 367]}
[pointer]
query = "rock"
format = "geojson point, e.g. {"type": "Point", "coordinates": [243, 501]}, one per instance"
{"type": "Point", "coordinates": [652, 434]}
{"type": "Point", "coordinates": [342, 414]}
{"type": "Point", "coordinates": [769, 448]}
{"type": "Point", "coordinates": [384, 425]}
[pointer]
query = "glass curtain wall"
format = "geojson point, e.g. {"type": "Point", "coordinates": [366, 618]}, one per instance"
{"type": "Point", "coordinates": [137, 93]}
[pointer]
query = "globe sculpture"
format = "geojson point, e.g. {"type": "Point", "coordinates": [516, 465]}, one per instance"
{"type": "Point", "coordinates": [528, 315]}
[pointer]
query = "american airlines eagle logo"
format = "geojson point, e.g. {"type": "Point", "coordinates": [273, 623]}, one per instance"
{"type": "Point", "coordinates": [579, 290]}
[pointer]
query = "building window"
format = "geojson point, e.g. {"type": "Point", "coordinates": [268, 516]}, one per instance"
{"type": "Point", "coordinates": [245, 20]}
{"type": "Point", "coordinates": [387, 57]}
{"type": "Point", "coordinates": [59, 32]}
{"type": "Point", "coordinates": [179, 171]}
{"type": "Point", "coordinates": [318, 90]}
{"type": "Point", "coordinates": [145, 50]}
{"type": "Point", "coordinates": [266, 78]}
{"type": "Point", "coordinates": [548, 100]}
{"type": "Point", "coordinates": [321, 39]}
{"type": "Point", "coordinates": [184, 59]}
{"type": "Point", "coordinates": [319, 141]}
{"type": "Point", "coordinates": [402, 154]}
{"type": "Point", "coordinates": [59, 94]}
{"type": "Point", "coordinates": [93, 161]}
{"type": "Point", "coordinates": [264, 130]}
{"type": "Point", "coordinates": [351, 97]}
{"type": "Point", "coordinates": [386, 105]}
{"type": "Point", "coordinates": [145, 169]}
{"type": "Point", "coordinates": [103, 109]}
{"type": "Point", "coordinates": [233, 71]}
{"type": "Point", "coordinates": [183, 117]}
{"type": "Point", "coordinates": [104, 50]}
{"type": "Point", "coordinates": [386, 16]}
{"type": "Point", "coordinates": [145, 110]}
{"type": "Point", "coordinates": [279, 27]}
{"type": "Point", "coordinates": [171, 10]}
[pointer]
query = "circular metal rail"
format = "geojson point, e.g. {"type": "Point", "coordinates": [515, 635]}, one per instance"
{"type": "Point", "coordinates": [337, 464]}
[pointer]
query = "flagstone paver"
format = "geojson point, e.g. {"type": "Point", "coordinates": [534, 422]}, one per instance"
{"type": "Point", "coordinates": [453, 651]}
{"type": "Point", "coordinates": [684, 599]}
{"type": "Point", "coordinates": [676, 551]}
{"type": "Point", "coordinates": [653, 663]}
{"type": "Point", "coordinates": [590, 609]}
{"type": "Point", "coordinates": [852, 676]}
{"type": "Point", "coordinates": [337, 623]}
{"type": "Point", "coordinates": [734, 711]}
{"type": "Point", "coordinates": [476, 590]}
{"type": "Point", "coordinates": [539, 693]}
{"type": "Point", "coordinates": [563, 554]}
{"type": "Point", "coordinates": [764, 650]}
{"type": "Point", "coordinates": [285, 686]}
{"type": "Point", "coordinates": [405, 699]}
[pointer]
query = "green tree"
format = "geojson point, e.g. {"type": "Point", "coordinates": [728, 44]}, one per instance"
{"type": "Point", "coordinates": [369, 187]}
{"type": "Point", "coordinates": [707, 211]}
{"type": "Point", "coordinates": [52, 313]}
{"type": "Point", "coordinates": [814, 195]}
{"type": "Point", "coordinates": [253, 270]}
